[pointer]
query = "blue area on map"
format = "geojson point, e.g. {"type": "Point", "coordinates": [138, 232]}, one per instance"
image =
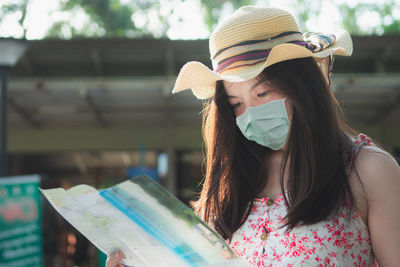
{"type": "Point", "coordinates": [184, 251]}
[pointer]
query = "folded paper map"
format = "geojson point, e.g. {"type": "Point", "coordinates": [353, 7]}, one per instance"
{"type": "Point", "coordinates": [143, 220]}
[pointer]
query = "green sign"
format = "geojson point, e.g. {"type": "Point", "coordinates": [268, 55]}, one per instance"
{"type": "Point", "coordinates": [20, 222]}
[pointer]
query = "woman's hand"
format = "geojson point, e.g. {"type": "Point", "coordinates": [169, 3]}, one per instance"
{"type": "Point", "coordinates": [114, 259]}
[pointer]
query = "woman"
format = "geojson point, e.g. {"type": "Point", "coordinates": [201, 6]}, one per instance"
{"type": "Point", "coordinates": [287, 184]}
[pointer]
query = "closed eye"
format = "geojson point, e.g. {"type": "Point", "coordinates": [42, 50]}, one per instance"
{"type": "Point", "coordinates": [236, 105]}
{"type": "Point", "coordinates": [263, 94]}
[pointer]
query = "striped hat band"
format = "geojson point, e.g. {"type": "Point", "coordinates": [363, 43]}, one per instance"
{"type": "Point", "coordinates": [252, 52]}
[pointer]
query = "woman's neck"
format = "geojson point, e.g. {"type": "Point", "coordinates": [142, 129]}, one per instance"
{"type": "Point", "coordinates": [273, 164]}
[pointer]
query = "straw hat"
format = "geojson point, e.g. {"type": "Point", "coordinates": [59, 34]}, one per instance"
{"type": "Point", "coordinates": [252, 39]}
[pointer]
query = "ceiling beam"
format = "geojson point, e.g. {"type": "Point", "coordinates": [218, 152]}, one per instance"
{"type": "Point", "coordinates": [170, 72]}
{"type": "Point", "coordinates": [150, 85]}
{"type": "Point", "coordinates": [72, 83]}
{"type": "Point", "coordinates": [380, 62]}
{"type": "Point", "coordinates": [95, 109]}
{"type": "Point", "coordinates": [80, 163]}
{"type": "Point", "coordinates": [97, 63]}
{"type": "Point", "coordinates": [26, 63]}
{"type": "Point", "coordinates": [170, 62]}
{"type": "Point", "coordinates": [28, 117]}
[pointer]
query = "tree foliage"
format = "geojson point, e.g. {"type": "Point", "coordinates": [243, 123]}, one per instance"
{"type": "Point", "coordinates": [19, 7]}
{"type": "Point", "coordinates": [388, 24]}
{"type": "Point", "coordinates": [110, 17]}
{"type": "Point", "coordinates": [118, 18]}
{"type": "Point", "coordinates": [214, 8]}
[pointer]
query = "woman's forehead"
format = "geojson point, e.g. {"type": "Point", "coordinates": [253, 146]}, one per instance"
{"type": "Point", "coordinates": [249, 84]}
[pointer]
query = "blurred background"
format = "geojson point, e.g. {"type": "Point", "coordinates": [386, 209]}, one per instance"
{"type": "Point", "coordinates": [86, 100]}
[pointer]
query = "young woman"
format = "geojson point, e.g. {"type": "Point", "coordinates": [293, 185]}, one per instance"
{"type": "Point", "coordinates": [287, 182]}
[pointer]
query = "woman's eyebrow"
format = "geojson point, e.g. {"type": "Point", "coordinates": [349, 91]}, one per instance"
{"type": "Point", "coordinates": [251, 88]}
{"type": "Point", "coordinates": [257, 84]}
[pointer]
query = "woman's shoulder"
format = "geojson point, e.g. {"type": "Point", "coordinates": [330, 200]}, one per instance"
{"type": "Point", "coordinates": [378, 172]}
{"type": "Point", "coordinates": [374, 177]}
{"type": "Point", "coordinates": [373, 163]}
{"type": "Point", "coordinates": [369, 159]}
{"type": "Point", "coordinates": [380, 176]}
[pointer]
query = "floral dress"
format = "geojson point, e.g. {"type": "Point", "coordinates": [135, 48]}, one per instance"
{"type": "Point", "coordinates": [331, 242]}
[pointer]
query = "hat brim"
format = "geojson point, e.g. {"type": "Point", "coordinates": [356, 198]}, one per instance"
{"type": "Point", "coordinates": [198, 77]}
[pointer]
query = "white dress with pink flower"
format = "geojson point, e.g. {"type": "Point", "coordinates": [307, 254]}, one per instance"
{"type": "Point", "coordinates": [332, 242]}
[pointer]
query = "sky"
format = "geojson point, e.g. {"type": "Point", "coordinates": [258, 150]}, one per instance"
{"type": "Point", "coordinates": [41, 14]}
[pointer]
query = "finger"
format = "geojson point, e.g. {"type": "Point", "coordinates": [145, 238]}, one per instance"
{"type": "Point", "coordinates": [121, 254]}
{"type": "Point", "coordinates": [114, 259]}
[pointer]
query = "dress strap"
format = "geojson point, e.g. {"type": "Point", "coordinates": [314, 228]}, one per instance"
{"type": "Point", "coordinates": [362, 140]}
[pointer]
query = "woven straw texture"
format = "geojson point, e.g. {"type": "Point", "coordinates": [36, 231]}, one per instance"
{"type": "Point", "coordinates": [250, 29]}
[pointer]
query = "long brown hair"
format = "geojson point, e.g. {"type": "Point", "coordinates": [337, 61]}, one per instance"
{"type": "Point", "coordinates": [317, 146]}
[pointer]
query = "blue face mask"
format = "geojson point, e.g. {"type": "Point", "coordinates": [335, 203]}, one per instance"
{"type": "Point", "coordinates": [267, 124]}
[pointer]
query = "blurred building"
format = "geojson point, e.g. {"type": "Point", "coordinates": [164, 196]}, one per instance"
{"type": "Point", "coordinates": [86, 111]}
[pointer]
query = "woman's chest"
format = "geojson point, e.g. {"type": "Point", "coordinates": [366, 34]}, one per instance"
{"type": "Point", "coordinates": [262, 241]}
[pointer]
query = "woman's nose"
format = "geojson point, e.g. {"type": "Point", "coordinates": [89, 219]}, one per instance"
{"type": "Point", "coordinates": [251, 102]}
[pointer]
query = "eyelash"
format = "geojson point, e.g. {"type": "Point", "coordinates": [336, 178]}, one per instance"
{"type": "Point", "coordinates": [234, 106]}
{"type": "Point", "coordinates": [263, 94]}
